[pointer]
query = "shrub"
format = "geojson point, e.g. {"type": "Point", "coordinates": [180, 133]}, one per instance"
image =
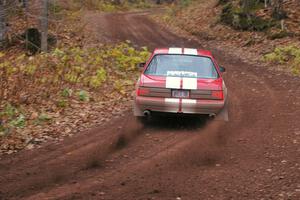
{"type": "Point", "coordinates": [111, 6]}
{"type": "Point", "coordinates": [285, 55]}
{"type": "Point", "coordinates": [11, 117]}
{"type": "Point", "coordinates": [50, 77]}
{"type": "Point", "coordinates": [83, 95]}
{"type": "Point", "coordinates": [98, 79]}
{"type": "Point", "coordinates": [62, 103]}
{"type": "Point", "coordinates": [185, 3]}
{"type": "Point", "coordinates": [9, 111]}
{"type": "Point", "coordinates": [278, 35]}
{"type": "Point", "coordinates": [18, 122]}
{"type": "Point", "coordinates": [67, 92]}
{"type": "Point", "coordinates": [237, 18]}
{"type": "Point", "coordinates": [43, 118]}
{"type": "Point", "coordinates": [71, 66]}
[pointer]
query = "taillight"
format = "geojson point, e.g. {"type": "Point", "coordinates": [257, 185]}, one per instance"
{"type": "Point", "coordinates": [141, 91]}
{"type": "Point", "coordinates": [217, 94]}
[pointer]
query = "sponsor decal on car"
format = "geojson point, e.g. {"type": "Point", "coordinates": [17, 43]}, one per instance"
{"type": "Point", "coordinates": [175, 50]}
{"type": "Point", "coordinates": [182, 74]}
{"type": "Point", "coordinates": [186, 51]}
{"type": "Point", "coordinates": [189, 83]}
{"type": "Point", "coordinates": [181, 80]}
{"type": "Point", "coordinates": [173, 82]}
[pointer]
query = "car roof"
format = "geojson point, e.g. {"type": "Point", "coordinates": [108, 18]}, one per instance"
{"type": "Point", "coordinates": [183, 51]}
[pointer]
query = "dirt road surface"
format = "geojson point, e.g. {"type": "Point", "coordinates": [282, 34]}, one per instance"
{"type": "Point", "coordinates": [254, 156]}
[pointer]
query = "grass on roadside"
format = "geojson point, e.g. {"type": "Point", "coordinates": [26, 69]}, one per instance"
{"type": "Point", "coordinates": [287, 55]}
{"type": "Point", "coordinates": [109, 6]}
{"type": "Point", "coordinates": [64, 74]}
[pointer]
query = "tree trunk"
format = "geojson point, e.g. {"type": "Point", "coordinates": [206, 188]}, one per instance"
{"type": "Point", "coordinates": [2, 21]}
{"type": "Point", "coordinates": [24, 4]}
{"type": "Point", "coordinates": [278, 12]}
{"type": "Point", "coordinates": [44, 26]}
{"type": "Point", "coordinates": [266, 3]}
{"type": "Point", "coordinates": [246, 6]}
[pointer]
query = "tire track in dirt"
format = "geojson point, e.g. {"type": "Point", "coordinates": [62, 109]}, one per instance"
{"type": "Point", "coordinates": [168, 159]}
{"type": "Point", "coordinates": [77, 155]}
{"type": "Point", "coordinates": [209, 155]}
{"type": "Point", "coordinates": [169, 148]}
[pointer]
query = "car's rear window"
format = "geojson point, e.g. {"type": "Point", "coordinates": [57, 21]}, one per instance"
{"type": "Point", "coordinates": [182, 66]}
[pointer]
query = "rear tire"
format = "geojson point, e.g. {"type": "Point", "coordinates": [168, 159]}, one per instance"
{"type": "Point", "coordinates": [143, 120]}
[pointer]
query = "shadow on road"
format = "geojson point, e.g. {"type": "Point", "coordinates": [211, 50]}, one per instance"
{"type": "Point", "coordinates": [175, 122]}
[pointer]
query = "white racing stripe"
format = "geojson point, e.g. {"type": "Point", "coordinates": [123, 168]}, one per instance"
{"type": "Point", "coordinates": [188, 51]}
{"type": "Point", "coordinates": [175, 51]}
{"type": "Point", "coordinates": [189, 101]}
{"type": "Point", "coordinates": [173, 82]}
{"type": "Point", "coordinates": [171, 100]}
{"type": "Point", "coordinates": [189, 83]}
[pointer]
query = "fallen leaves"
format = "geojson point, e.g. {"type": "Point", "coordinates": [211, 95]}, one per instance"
{"type": "Point", "coordinates": [201, 20]}
{"type": "Point", "coordinates": [53, 95]}
{"type": "Point", "coordinates": [73, 120]}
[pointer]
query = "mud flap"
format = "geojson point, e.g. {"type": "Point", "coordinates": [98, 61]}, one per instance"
{"type": "Point", "coordinates": [223, 114]}
{"type": "Point", "coordinates": [136, 111]}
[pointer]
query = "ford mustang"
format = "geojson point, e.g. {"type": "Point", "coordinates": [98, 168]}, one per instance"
{"type": "Point", "coordinates": [181, 81]}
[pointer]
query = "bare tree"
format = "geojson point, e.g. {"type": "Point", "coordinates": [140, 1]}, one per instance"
{"type": "Point", "coordinates": [278, 12]}
{"type": "Point", "coordinates": [245, 4]}
{"type": "Point", "coordinates": [2, 21]}
{"type": "Point", "coordinates": [44, 26]}
{"type": "Point", "coordinates": [24, 3]}
{"type": "Point", "coordinates": [266, 3]}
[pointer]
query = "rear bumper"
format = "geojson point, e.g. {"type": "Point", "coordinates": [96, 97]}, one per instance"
{"type": "Point", "coordinates": [173, 105]}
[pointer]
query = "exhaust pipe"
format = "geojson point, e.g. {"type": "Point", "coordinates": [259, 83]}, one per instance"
{"type": "Point", "coordinates": [212, 115]}
{"type": "Point", "coordinates": [147, 113]}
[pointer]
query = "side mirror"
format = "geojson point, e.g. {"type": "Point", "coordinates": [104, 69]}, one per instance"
{"type": "Point", "coordinates": [141, 65]}
{"type": "Point", "coordinates": [222, 69]}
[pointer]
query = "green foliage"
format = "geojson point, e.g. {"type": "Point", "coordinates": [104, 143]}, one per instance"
{"type": "Point", "coordinates": [2, 131]}
{"type": "Point", "coordinates": [62, 103]}
{"type": "Point", "coordinates": [55, 8]}
{"type": "Point", "coordinates": [83, 95]}
{"type": "Point", "coordinates": [278, 35]}
{"type": "Point", "coordinates": [242, 19]}
{"type": "Point", "coordinates": [289, 55]}
{"type": "Point", "coordinates": [119, 87]}
{"type": "Point", "coordinates": [43, 117]}
{"type": "Point", "coordinates": [29, 69]}
{"type": "Point", "coordinates": [77, 66]}
{"type": "Point", "coordinates": [222, 2]}
{"type": "Point", "coordinates": [2, 54]}
{"type": "Point", "coordinates": [51, 76]}
{"type": "Point", "coordinates": [19, 122]}
{"type": "Point", "coordinates": [67, 92]}
{"type": "Point", "coordinates": [107, 7]}
{"type": "Point", "coordinates": [98, 79]}
{"type": "Point", "coordinates": [127, 57]}
{"type": "Point", "coordinates": [112, 6]}
{"type": "Point", "coordinates": [71, 77]}
{"type": "Point", "coordinates": [9, 111]}
{"type": "Point", "coordinates": [185, 3]}
{"type": "Point", "coordinates": [13, 118]}
{"type": "Point", "coordinates": [176, 7]}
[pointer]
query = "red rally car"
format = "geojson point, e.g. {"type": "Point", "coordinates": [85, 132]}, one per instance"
{"type": "Point", "coordinates": [181, 80]}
